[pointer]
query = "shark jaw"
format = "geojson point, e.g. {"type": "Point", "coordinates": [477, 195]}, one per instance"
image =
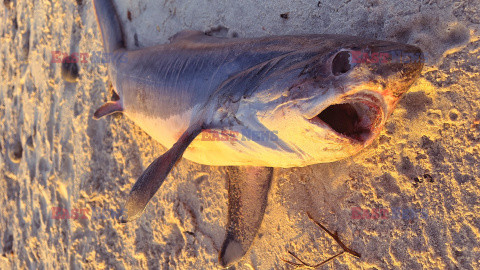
{"type": "Point", "coordinates": [357, 117]}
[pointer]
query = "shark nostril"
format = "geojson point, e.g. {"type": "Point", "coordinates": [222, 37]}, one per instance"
{"type": "Point", "coordinates": [341, 63]}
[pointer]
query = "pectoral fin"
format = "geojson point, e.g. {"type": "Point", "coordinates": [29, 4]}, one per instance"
{"type": "Point", "coordinates": [247, 198]}
{"type": "Point", "coordinates": [153, 177]}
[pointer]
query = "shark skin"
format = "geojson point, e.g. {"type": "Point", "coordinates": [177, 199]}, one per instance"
{"type": "Point", "coordinates": [311, 91]}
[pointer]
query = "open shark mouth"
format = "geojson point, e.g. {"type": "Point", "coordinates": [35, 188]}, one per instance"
{"type": "Point", "coordinates": [357, 117]}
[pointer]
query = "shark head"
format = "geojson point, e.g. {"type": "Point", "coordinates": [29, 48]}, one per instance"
{"type": "Point", "coordinates": [335, 98]}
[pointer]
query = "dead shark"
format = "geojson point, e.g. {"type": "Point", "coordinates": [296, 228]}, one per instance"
{"type": "Point", "coordinates": [312, 92]}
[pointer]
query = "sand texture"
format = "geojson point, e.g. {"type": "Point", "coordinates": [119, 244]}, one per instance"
{"type": "Point", "coordinates": [53, 154]}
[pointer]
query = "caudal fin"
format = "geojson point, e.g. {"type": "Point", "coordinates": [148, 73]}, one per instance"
{"type": "Point", "coordinates": [109, 23]}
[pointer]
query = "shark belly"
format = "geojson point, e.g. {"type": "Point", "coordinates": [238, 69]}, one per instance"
{"type": "Point", "coordinates": [221, 146]}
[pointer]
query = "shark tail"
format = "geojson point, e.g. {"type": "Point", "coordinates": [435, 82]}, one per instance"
{"type": "Point", "coordinates": [108, 20]}
{"type": "Point", "coordinates": [113, 39]}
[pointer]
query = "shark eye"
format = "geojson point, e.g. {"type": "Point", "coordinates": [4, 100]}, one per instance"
{"type": "Point", "coordinates": [341, 63]}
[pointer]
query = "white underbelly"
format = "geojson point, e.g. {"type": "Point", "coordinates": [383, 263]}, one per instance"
{"type": "Point", "coordinates": [216, 147]}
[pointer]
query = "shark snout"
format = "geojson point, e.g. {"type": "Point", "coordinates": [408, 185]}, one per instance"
{"type": "Point", "coordinates": [397, 65]}
{"type": "Point", "coordinates": [392, 66]}
{"type": "Point", "coordinates": [412, 60]}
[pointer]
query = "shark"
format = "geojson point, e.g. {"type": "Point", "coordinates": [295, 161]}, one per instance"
{"type": "Point", "coordinates": [251, 104]}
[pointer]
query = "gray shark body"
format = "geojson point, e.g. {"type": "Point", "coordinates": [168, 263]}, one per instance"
{"type": "Point", "coordinates": [284, 101]}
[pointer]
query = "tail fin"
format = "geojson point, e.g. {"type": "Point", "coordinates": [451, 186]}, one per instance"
{"type": "Point", "coordinates": [109, 23]}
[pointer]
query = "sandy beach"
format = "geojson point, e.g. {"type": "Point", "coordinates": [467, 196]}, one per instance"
{"type": "Point", "coordinates": [411, 200]}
